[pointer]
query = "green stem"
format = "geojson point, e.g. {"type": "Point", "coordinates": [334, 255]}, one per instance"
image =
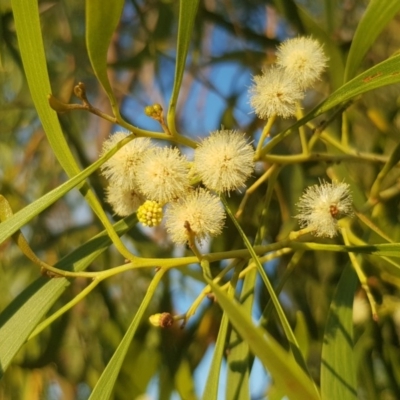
{"type": "Point", "coordinates": [303, 158]}
{"type": "Point", "coordinates": [361, 276]}
{"type": "Point", "coordinates": [176, 138]}
{"type": "Point", "coordinates": [264, 134]}
{"type": "Point", "coordinates": [43, 325]}
{"type": "Point", "coordinates": [302, 132]}
{"type": "Point", "coordinates": [263, 178]}
{"type": "Point", "coordinates": [150, 291]}
{"type": "Point", "coordinates": [335, 143]}
{"type": "Point", "coordinates": [392, 161]}
{"type": "Point", "coordinates": [59, 106]}
{"type": "Point", "coordinates": [345, 130]}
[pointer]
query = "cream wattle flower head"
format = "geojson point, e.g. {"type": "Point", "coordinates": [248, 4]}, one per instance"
{"type": "Point", "coordinates": [274, 93]}
{"type": "Point", "coordinates": [120, 169]}
{"type": "Point", "coordinates": [163, 174]}
{"type": "Point", "coordinates": [321, 206]}
{"type": "Point", "coordinates": [200, 211]}
{"type": "Point", "coordinates": [302, 59]}
{"type": "Point", "coordinates": [122, 200]}
{"type": "Point", "coordinates": [224, 160]}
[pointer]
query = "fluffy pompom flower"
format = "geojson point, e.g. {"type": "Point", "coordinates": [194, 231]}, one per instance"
{"type": "Point", "coordinates": [274, 93]}
{"type": "Point", "coordinates": [224, 160]}
{"type": "Point", "coordinates": [322, 205]}
{"type": "Point", "coordinates": [122, 200]}
{"type": "Point", "coordinates": [200, 211]}
{"type": "Point", "coordinates": [303, 60]}
{"type": "Point", "coordinates": [120, 169]}
{"type": "Point", "coordinates": [162, 175]}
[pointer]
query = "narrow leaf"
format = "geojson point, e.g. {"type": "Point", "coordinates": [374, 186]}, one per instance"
{"type": "Point", "coordinates": [375, 18]}
{"type": "Point", "coordinates": [187, 15]}
{"type": "Point", "coordinates": [302, 334]}
{"type": "Point", "coordinates": [338, 377]}
{"type": "Point", "coordinates": [105, 384]}
{"type": "Point", "coordinates": [287, 374]}
{"type": "Point", "coordinates": [184, 382]}
{"type": "Point", "coordinates": [27, 25]}
{"type": "Point", "coordinates": [102, 18]}
{"type": "Point", "coordinates": [211, 389]}
{"type": "Point", "coordinates": [239, 357]}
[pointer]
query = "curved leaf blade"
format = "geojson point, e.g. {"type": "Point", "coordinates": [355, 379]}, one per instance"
{"type": "Point", "coordinates": [239, 357]}
{"type": "Point", "coordinates": [338, 376]}
{"type": "Point", "coordinates": [385, 73]}
{"type": "Point", "coordinates": [187, 15]}
{"type": "Point", "coordinates": [287, 374]}
{"type": "Point", "coordinates": [211, 388]}
{"type": "Point", "coordinates": [375, 18]}
{"type": "Point", "coordinates": [101, 21]}
{"type": "Point", "coordinates": [27, 24]}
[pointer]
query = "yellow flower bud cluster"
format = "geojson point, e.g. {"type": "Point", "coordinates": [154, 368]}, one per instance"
{"type": "Point", "coordinates": [150, 213]}
{"type": "Point", "coordinates": [154, 111]}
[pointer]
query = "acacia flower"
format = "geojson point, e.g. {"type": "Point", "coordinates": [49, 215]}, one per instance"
{"type": "Point", "coordinates": [162, 175]}
{"type": "Point", "coordinates": [274, 93]}
{"type": "Point", "coordinates": [303, 60]}
{"type": "Point", "coordinates": [224, 160]}
{"type": "Point", "coordinates": [120, 169]}
{"type": "Point", "coordinates": [322, 205]}
{"type": "Point", "coordinates": [200, 211]}
{"type": "Point", "coordinates": [122, 200]}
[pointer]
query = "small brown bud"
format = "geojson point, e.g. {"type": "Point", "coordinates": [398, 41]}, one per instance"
{"type": "Point", "coordinates": [162, 320]}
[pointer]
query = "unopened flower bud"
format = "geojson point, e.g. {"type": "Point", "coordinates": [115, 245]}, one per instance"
{"type": "Point", "coordinates": [148, 111]}
{"type": "Point", "coordinates": [157, 108]}
{"type": "Point", "coordinates": [162, 320]}
{"type": "Point", "coordinates": [150, 213]}
{"type": "Point", "coordinates": [154, 111]}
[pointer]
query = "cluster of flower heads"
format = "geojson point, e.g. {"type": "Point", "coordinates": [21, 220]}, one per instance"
{"type": "Point", "coordinates": [276, 92]}
{"type": "Point", "coordinates": [145, 178]}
